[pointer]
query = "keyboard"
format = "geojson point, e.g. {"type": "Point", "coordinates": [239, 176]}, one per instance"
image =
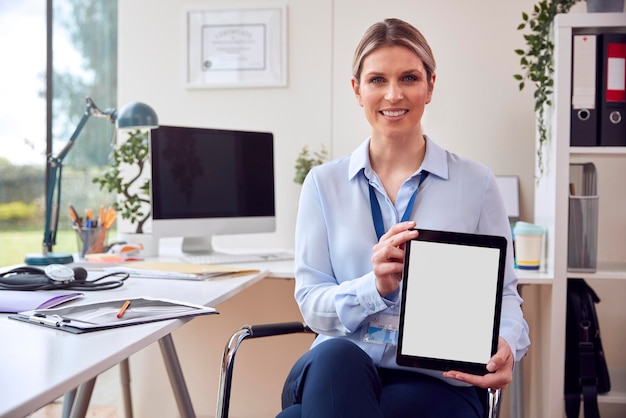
{"type": "Point", "coordinates": [232, 258]}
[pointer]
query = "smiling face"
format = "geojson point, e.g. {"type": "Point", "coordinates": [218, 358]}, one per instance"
{"type": "Point", "coordinates": [393, 89]}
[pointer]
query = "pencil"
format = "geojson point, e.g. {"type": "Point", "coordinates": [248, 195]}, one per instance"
{"type": "Point", "coordinates": [123, 309]}
{"type": "Point", "coordinates": [74, 216]}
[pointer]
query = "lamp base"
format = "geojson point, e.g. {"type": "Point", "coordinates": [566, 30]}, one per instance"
{"type": "Point", "coordinates": [49, 258]}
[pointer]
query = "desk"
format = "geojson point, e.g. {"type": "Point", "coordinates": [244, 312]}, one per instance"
{"type": "Point", "coordinates": [261, 365]}
{"type": "Point", "coordinates": [40, 364]}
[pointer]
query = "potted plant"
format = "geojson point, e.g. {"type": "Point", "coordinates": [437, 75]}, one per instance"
{"type": "Point", "coordinates": [133, 202]}
{"type": "Point", "coordinates": [306, 161]}
{"type": "Point", "coordinates": [537, 61]}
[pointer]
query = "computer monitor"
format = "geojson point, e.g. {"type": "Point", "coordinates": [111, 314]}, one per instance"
{"type": "Point", "coordinates": [208, 182]}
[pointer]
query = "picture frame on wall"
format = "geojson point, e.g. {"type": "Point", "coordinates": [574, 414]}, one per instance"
{"type": "Point", "coordinates": [236, 46]}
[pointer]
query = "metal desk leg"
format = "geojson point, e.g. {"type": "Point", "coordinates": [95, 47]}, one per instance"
{"type": "Point", "coordinates": [83, 396]}
{"type": "Point", "coordinates": [68, 402]}
{"type": "Point", "coordinates": [176, 377]}
{"type": "Point", "coordinates": [125, 378]}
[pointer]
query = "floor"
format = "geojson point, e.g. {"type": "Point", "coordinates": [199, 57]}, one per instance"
{"type": "Point", "coordinates": [54, 410]}
{"type": "Point", "coordinates": [105, 400]}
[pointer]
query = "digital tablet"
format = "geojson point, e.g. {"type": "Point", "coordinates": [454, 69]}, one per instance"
{"type": "Point", "coordinates": [451, 301]}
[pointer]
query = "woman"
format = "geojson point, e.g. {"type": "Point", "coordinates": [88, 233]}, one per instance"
{"type": "Point", "coordinates": [348, 274]}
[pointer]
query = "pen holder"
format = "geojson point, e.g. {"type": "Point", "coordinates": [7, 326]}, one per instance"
{"type": "Point", "coordinates": [91, 240]}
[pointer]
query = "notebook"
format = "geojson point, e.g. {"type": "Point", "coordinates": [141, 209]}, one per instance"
{"type": "Point", "coordinates": [451, 301]}
{"type": "Point", "coordinates": [13, 301]}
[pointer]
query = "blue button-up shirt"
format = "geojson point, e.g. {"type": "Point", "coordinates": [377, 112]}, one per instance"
{"type": "Point", "coordinates": [335, 284]}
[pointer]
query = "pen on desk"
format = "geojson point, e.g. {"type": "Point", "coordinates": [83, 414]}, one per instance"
{"type": "Point", "coordinates": [53, 320]}
{"type": "Point", "coordinates": [125, 306]}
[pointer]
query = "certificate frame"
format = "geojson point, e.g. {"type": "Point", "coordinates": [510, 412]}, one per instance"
{"type": "Point", "coordinates": [236, 46]}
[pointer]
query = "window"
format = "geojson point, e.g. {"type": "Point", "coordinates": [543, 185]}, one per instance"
{"type": "Point", "coordinates": [84, 61]}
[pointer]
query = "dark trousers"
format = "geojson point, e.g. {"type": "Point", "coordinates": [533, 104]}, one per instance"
{"type": "Point", "coordinates": [338, 379]}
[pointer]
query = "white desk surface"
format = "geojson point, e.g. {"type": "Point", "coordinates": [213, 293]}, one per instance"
{"type": "Point", "coordinates": [39, 364]}
{"type": "Point", "coordinates": [170, 251]}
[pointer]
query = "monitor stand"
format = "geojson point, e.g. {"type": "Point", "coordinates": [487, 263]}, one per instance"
{"type": "Point", "coordinates": [198, 245]}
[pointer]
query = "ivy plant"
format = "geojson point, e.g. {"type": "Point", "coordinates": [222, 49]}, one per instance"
{"type": "Point", "coordinates": [133, 202]}
{"type": "Point", "coordinates": [537, 61]}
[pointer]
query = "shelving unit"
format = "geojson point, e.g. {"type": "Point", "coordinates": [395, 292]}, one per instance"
{"type": "Point", "coordinates": [551, 211]}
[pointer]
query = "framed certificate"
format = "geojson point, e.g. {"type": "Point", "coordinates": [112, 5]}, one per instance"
{"type": "Point", "coordinates": [235, 46]}
{"type": "Point", "coordinates": [451, 301]}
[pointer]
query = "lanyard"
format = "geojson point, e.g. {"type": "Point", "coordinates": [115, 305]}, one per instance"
{"type": "Point", "coordinates": [377, 216]}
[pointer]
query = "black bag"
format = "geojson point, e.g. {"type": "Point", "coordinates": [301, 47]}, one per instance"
{"type": "Point", "coordinates": [586, 372]}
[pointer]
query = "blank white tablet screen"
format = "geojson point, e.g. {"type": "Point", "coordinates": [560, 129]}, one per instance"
{"type": "Point", "coordinates": [450, 301]}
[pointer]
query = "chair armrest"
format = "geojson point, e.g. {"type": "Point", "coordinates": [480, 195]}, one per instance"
{"type": "Point", "coordinates": [228, 358]}
{"type": "Point", "coordinates": [282, 328]}
{"type": "Point", "coordinates": [493, 407]}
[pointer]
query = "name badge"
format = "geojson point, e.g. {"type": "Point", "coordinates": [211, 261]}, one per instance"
{"type": "Point", "coordinates": [383, 329]}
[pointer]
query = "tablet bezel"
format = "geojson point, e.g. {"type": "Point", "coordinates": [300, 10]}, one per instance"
{"type": "Point", "coordinates": [463, 239]}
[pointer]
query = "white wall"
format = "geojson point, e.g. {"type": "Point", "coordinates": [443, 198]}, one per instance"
{"type": "Point", "coordinates": [477, 110]}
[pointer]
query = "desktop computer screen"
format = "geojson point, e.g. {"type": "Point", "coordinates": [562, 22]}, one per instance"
{"type": "Point", "coordinates": [209, 182]}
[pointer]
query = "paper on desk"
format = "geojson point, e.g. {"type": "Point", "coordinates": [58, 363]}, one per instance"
{"type": "Point", "coordinates": [179, 270]}
{"type": "Point", "coordinates": [12, 301]}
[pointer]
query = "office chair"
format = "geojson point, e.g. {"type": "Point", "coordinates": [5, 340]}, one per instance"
{"type": "Point", "coordinates": [491, 400]}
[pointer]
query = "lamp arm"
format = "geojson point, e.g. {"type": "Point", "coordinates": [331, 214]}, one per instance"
{"type": "Point", "coordinates": [55, 166]}
{"type": "Point", "coordinates": [52, 210]}
{"type": "Point", "coordinates": [90, 110]}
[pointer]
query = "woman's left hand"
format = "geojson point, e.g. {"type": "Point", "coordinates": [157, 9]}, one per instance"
{"type": "Point", "coordinates": [500, 368]}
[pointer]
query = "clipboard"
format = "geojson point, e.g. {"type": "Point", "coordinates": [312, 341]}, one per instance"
{"type": "Point", "coordinates": [451, 301]}
{"type": "Point", "coordinates": [103, 315]}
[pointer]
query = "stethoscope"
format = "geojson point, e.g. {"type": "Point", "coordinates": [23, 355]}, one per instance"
{"type": "Point", "coordinates": [58, 277]}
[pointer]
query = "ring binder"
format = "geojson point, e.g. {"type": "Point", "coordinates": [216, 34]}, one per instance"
{"type": "Point", "coordinates": [584, 120]}
{"type": "Point", "coordinates": [612, 125]}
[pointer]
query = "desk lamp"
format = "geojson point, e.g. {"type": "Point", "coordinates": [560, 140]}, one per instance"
{"type": "Point", "coordinates": [132, 116]}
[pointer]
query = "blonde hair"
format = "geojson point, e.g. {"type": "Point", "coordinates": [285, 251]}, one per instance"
{"type": "Point", "coordinates": [393, 32]}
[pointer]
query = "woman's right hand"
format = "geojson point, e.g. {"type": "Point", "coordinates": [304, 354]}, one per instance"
{"type": "Point", "coordinates": [388, 256]}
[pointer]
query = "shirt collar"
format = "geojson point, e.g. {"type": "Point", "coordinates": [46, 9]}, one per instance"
{"type": "Point", "coordinates": [435, 160]}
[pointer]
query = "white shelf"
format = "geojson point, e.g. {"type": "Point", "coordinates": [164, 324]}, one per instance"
{"type": "Point", "coordinates": [551, 211]}
{"type": "Point", "coordinates": [591, 20]}
{"type": "Point", "coordinates": [617, 394]}
{"type": "Point", "coordinates": [534, 277]}
{"type": "Point", "coordinates": [581, 151]}
{"type": "Point", "coordinates": [605, 270]}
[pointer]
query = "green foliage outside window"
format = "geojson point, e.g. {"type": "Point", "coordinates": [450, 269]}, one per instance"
{"type": "Point", "coordinates": [18, 212]}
